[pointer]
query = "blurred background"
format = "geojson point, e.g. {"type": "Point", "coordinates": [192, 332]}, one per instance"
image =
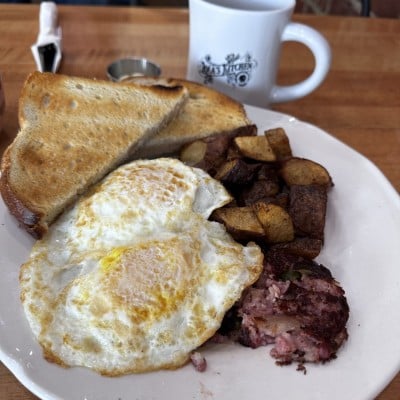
{"type": "Point", "coordinates": [377, 8]}
{"type": "Point", "coordinates": [372, 8]}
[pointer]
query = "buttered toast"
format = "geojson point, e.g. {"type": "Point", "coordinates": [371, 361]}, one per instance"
{"type": "Point", "coordinates": [73, 131]}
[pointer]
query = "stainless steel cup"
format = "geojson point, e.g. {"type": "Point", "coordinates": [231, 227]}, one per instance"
{"type": "Point", "coordinates": [126, 68]}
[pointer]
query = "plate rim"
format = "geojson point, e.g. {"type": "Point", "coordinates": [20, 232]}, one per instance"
{"type": "Point", "coordinates": [39, 390]}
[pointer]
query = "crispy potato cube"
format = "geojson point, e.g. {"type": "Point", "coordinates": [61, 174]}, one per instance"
{"type": "Point", "coordinates": [207, 154]}
{"type": "Point", "coordinates": [245, 130]}
{"type": "Point", "coordinates": [307, 208]}
{"type": "Point", "coordinates": [193, 153]}
{"type": "Point", "coordinates": [217, 146]}
{"type": "Point", "coordinates": [268, 172]}
{"type": "Point", "coordinates": [282, 200]}
{"type": "Point", "coordinates": [255, 147]}
{"type": "Point", "coordinates": [275, 220]}
{"type": "Point", "coordinates": [279, 142]}
{"type": "Point", "coordinates": [240, 222]}
{"type": "Point", "coordinates": [300, 171]}
{"type": "Point", "coordinates": [303, 247]}
{"type": "Point", "coordinates": [233, 152]}
{"type": "Point", "coordinates": [259, 191]}
{"type": "Point", "coordinates": [236, 172]}
{"type": "Point", "coordinates": [210, 152]}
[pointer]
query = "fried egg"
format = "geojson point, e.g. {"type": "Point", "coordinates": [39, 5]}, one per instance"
{"type": "Point", "coordinates": [135, 277]}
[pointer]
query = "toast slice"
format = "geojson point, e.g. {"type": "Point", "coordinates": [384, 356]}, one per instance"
{"type": "Point", "coordinates": [73, 131]}
{"type": "Point", "coordinates": [206, 113]}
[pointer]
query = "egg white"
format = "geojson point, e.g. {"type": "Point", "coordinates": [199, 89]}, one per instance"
{"type": "Point", "coordinates": [134, 277]}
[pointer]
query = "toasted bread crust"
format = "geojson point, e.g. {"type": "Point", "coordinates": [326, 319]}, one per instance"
{"type": "Point", "coordinates": [73, 131]}
{"type": "Point", "coordinates": [30, 220]}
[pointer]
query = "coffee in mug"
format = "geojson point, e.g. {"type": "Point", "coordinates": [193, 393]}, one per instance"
{"type": "Point", "coordinates": [234, 47]}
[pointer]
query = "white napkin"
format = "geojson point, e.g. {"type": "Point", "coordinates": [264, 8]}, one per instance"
{"type": "Point", "coordinates": [49, 34]}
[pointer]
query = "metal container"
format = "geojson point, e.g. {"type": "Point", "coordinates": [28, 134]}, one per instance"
{"type": "Point", "coordinates": [126, 68]}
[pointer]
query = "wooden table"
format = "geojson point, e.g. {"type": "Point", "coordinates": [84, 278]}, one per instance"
{"type": "Point", "coordinates": [359, 103]}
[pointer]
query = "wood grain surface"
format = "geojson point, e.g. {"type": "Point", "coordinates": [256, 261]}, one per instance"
{"type": "Point", "coordinates": [359, 102]}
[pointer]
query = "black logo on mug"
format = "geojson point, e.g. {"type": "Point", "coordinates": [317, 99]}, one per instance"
{"type": "Point", "coordinates": [237, 69]}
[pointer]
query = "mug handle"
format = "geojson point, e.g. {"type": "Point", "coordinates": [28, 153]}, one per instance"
{"type": "Point", "coordinates": [322, 54]}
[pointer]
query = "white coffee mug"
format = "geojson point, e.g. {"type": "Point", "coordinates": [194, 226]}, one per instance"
{"type": "Point", "coordinates": [234, 47]}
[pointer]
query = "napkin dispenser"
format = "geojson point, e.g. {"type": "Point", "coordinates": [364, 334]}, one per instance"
{"type": "Point", "coordinates": [47, 49]}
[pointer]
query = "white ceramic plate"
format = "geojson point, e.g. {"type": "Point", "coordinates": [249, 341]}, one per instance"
{"type": "Point", "coordinates": [362, 251]}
